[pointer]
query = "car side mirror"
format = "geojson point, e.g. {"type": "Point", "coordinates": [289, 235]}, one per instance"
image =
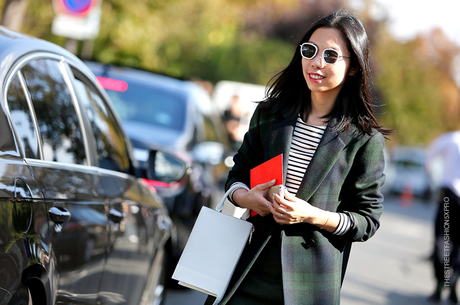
{"type": "Point", "coordinates": [165, 167]}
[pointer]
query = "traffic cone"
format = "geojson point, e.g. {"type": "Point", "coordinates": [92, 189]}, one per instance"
{"type": "Point", "coordinates": [407, 196]}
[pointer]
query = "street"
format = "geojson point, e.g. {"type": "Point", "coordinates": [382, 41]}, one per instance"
{"type": "Point", "coordinates": [391, 268]}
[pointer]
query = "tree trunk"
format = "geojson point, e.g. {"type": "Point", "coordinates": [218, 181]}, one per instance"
{"type": "Point", "coordinates": [13, 14]}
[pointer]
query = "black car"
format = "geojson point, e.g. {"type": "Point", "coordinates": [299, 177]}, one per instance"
{"type": "Point", "coordinates": [77, 225]}
{"type": "Point", "coordinates": [176, 115]}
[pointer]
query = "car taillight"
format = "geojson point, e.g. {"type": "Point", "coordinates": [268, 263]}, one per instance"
{"type": "Point", "coordinates": [153, 183]}
{"type": "Point", "coordinates": [112, 84]}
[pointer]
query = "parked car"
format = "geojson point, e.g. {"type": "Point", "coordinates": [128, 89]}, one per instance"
{"type": "Point", "coordinates": [178, 116]}
{"type": "Point", "coordinates": [390, 174]}
{"type": "Point", "coordinates": [410, 175]}
{"type": "Point", "coordinates": [77, 225]}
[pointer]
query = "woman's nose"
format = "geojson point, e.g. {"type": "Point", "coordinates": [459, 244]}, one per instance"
{"type": "Point", "coordinates": [317, 61]}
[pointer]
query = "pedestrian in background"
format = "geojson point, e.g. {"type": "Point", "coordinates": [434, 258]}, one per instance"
{"type": "Point", "coordinates": [319, 115]}
{"type": "Point", "coordinates": [233, 122]}
{"type": "Point", "coordinates": [446, 252]}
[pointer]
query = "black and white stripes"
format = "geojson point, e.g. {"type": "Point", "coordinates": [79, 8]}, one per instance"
{"type": "Point", "coordinates": [305, 140]}
{"type": "Point", "coordinates": [344, 224]}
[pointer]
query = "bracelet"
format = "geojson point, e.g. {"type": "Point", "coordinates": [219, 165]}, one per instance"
{"type": "Point", "coordinates": [328, 215]}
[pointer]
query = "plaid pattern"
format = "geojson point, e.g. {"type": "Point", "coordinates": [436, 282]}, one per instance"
{"type": "Point", "coordinates": [344, 175]}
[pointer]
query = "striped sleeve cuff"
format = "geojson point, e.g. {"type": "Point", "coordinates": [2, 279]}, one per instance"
{"type": "Point", "coordinates": [344, 224]}
{"type": "Point", "coordinates": [237, 186]}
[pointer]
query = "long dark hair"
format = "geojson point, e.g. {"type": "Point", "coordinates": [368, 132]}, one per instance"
{"type": "Point", "coordinates": [288, 88]}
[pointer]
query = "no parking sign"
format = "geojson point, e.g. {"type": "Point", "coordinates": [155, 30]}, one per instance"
{"type": "Point", "coordinates": [76, 8]}
{"type": "Point", "coordinates": [77, 19]}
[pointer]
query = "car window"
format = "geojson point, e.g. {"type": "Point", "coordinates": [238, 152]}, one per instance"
{"type": "Point", "coordinates": [22, 119]}
{"type": "Point", "coordinates": [57, 118]}
{"type": "Point", "coordinates": [110, 144]}
{"type": "Point", "coordinates": [150, 105]}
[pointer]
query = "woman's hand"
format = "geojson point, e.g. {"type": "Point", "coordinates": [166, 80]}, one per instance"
{"type": "Point", "coordinates": [294, 210]}
{"type": "Point", "coordinates": [255, 199]}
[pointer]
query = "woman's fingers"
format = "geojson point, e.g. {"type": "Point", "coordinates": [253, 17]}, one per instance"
{"type": "Point", "coordinates": [282, 204]}
{"type": "Point", "coordinates": [289, 210]}
{"type": "Point", "coordinates": [288, 195]}
{"type": "Point", "coordinates": [262, 204]}
{"type": "Point", "coordinates": [276, 214]}
{"type": "Point", "coordinates": [277, 210]}
{"type": "Point", "coordinates": [265, 186]}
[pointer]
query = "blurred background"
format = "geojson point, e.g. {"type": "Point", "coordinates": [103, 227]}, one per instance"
{"type": "Point", "coordinates": [416, 76]}
{"type": "Point", "coordinates": [233, 47]}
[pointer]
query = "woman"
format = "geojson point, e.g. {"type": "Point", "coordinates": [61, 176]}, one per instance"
{"type": "Point", "coordinates": [319, 115]}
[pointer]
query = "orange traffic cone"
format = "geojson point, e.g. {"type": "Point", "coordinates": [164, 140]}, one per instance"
{"type": "Point", "coordinates": [407, 196]}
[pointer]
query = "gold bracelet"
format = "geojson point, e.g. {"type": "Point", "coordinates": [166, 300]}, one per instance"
{"type": "Point", "coordinates": [328, 215]}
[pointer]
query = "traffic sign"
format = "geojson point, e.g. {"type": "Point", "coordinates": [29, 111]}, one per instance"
{"type": "Point", "coordinates": [77, 19]}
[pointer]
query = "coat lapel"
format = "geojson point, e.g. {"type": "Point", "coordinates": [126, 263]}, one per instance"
{"type": "Point", "coordinates": [281, 141]}
{"type": "Point", "coordinates": [326, 155]}
{"type": "Point", "coordinates": [323, 160]}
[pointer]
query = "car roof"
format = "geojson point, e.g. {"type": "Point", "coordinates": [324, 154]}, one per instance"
{"type": "Point", "coordinates": [414, 153]}
{"type": "Point", "coordinates": [14, 45]}
{"type": "Point", "coordinates": [141, 76]}
{"type": "Point", "coordinates": [188, 90]}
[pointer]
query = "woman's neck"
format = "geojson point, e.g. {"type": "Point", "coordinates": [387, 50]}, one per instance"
{"type": "Point", "coordinates": [321, 107]}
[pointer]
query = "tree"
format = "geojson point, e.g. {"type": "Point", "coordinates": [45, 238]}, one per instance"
{"type": "Point", "coordinates": [13, 14]}
{"type": "Point", "coordinates": [416, 81]}
{"type": "Point", "coordinates": [251, 40]}
{"type": "Point", "coordinates": [289, 19]}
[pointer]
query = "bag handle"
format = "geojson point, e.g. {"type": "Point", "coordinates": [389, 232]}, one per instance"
{"type": "Point", "coordinates": [221, 204]}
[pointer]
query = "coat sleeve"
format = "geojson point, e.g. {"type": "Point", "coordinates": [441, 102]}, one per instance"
{"type": "Point", "coordinates": [362, 199]}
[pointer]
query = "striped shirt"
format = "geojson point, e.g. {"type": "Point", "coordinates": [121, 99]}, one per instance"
{"type": "Point", "coordinates": [305, 141]}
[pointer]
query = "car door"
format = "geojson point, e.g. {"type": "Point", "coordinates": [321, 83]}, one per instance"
{"type": "Point", "coordinates": [59, 159]}
{"type": "Point", "coordinates": [23, 216]}
{"type": "Point", "coordinates": [136, 245]}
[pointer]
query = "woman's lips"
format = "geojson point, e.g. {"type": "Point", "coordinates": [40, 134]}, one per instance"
{"type": "Point", "coordinates": [316, 77]}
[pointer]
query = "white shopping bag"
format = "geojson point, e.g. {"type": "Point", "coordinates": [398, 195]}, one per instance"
{"type": "Point", "coordinates": [212, 251]}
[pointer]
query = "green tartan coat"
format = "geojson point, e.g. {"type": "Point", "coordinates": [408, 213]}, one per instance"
{"type": "Point", "coordinates": [344, 175]}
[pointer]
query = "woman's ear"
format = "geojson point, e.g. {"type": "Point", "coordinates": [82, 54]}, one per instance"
{"type": "Point", "coordinates": [353, 71]}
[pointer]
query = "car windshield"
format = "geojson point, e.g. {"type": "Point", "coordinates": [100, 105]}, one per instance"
{"type": "Point", "coordinates": [150, 105]}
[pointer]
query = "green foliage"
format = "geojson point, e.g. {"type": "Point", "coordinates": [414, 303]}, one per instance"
{"type": "Point", "coordinates": [411, 85]}
{"type": "Point", "coordinates": [199, 38]}
{"type": "Point", "coordinates": [251, 40]}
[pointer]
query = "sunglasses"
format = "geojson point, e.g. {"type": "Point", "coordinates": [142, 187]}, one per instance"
{"type": "Point", "coordinates": [309, 50]}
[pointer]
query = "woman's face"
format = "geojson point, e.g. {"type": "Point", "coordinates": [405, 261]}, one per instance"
{"type": "Point", "coordinates": [322, 78]}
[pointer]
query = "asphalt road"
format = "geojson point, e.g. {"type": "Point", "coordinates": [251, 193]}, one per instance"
{"type": "Point", "coordinates": [392, 268]}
